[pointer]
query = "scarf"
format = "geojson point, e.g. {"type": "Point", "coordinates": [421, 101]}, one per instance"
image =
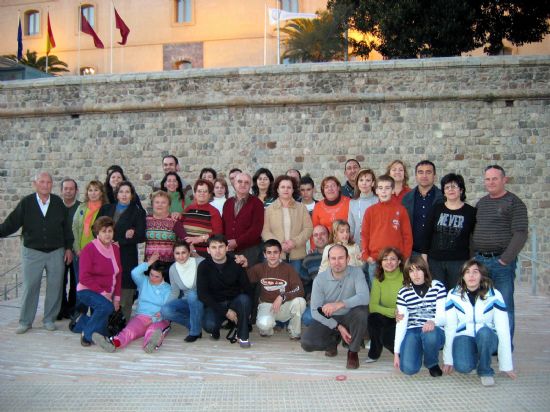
{"type": "Point", "coordinates": [109, 253]}
{"type": "Point", "coordinates": [91, 212]}
{"type": "Point", "coordinates": [187, 272]}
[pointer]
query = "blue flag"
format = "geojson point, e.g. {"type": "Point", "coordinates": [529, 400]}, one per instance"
{"type": "Point", "coordinates": [19, 41]}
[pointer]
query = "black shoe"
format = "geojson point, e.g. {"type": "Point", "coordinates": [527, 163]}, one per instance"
{"type": "Point", "coordinates": [435, 371]}
{"type": "Point", "coordinates": [215, 335]}
{"type": "Point", "coordinates": [74, 319]}
{"type": "Point", "coordinates": [84, 342]}
{"type": "Point", "coordinates": [192, 338]}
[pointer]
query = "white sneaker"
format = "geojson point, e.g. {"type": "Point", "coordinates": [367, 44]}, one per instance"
{"type": "Point", "coordinates": [487, 381]}
{"type": "Point", "coordinates": [370, 360]}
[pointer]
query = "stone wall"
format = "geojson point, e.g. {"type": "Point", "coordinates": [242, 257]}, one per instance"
{"type": "Point", "coordinates": [462, 113]}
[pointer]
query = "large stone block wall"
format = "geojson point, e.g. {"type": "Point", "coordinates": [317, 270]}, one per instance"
{"type": "Point", "coordinates": [462, 113]}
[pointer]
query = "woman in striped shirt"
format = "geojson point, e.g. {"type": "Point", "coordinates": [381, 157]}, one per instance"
{"type": "Point", "coordinates": [421, 316]}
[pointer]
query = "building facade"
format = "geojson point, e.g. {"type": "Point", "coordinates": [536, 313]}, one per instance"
{"type": "Point", "coordinates": [164, 34]}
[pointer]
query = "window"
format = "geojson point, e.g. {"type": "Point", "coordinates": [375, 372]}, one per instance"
{"type": "Point", "coordinates": [183, 11]}
{"type": "Point", "coordinates": [290, 5]}
{"type": "Point", "coordinates": [32, 22]}
{"type": "Point", "coordinates": [183, 65]}
{"type": "Point", "coordinates": [89, 12]}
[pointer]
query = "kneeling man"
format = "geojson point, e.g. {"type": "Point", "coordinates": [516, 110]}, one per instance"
{"type": "Point", "coordinates": [224, 289]}
{"type": "Point", "coordinates": [339, 306]}
{"type": "Point", "coordinates": [281, 292]}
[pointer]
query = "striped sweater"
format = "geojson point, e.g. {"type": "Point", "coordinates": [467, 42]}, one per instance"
{"type": "Point", "coordinates": [418, 310]}
{"type": "Point", "coordinates": [501, 226]}
{"type": "Point", "coordinates": [200, 220]}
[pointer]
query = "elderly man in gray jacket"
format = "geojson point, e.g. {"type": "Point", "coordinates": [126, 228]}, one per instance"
{"type": "Point", "coordinates": [339, 306]}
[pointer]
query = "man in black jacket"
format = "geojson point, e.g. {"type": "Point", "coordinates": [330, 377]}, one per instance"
{"type": "Point", "coordinates": [224, 289]}
{"type": "Point", "coordinates": [47, 242]}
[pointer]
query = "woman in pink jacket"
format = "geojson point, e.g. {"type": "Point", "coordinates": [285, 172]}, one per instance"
{"type": "Point", "coordinates": [99, 282]}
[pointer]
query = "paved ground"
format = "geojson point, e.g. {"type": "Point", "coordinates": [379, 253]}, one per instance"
{"type": "Point", "coordinates": [50, 371]}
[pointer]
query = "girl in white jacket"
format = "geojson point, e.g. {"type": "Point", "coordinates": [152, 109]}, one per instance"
{"type": "Point", "coordinates": [477, 326]}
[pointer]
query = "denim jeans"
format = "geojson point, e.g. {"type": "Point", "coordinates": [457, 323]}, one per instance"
{"type": "Point", "coordinates": [296, 264]}
{"type": "Point", "coordinates": [212, 320]}
{"type": "Point", "coordinates": [418, 344]}
{"type": "Point", "coordinates": [101, 309]}
{"type": "Point", "coordinates": [503, 278]}
{"type": "Point", "coordinates": [307, 318]}
{"type": "Point", "coordinates": [187, 311]}
{"type": "Point", "coordinates": [469, 352]}
{"type": "Point", "coordinates": [371, 270]}
{"type": "Point", "coordinates": [446, 271]}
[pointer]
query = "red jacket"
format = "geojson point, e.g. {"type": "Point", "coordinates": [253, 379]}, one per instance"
{"type": "Point", "coordinates": [246, 227]}
{"type": "Point", "coordinates": [386, 224]}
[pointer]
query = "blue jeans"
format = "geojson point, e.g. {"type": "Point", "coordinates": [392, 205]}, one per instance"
{"type": "Point", "coordinates": [296, 264]}
{"type": "Point", "coordinates": [418, 344]}
{"type": "Point", "coordinates": [503, 278]}
{"type": "Point", "coordinates": [187, 311]}
{"type": "Point", "coordinates": [469, 352]}
{"type": "Point", "coordinates": [101, 310]}
{"type": "Point", "coordinates": [307, 319]}
{"type": "Point", "coordinates": [371, 270]}
{"type": "Point", "coordinates": [242, 305]}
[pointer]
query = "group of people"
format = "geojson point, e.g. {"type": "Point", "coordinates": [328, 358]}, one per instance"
{"type": "Point", "coordinates": [373, 259]}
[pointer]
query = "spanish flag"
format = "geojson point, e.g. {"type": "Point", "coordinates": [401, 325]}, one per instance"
{"type": "Point", "coordinates": [50, 42]}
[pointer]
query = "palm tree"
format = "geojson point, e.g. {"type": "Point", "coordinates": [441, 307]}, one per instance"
{"type": "Point", "coordinates": [31, 59]}
{"type": "Point", "coordinates": [314, 40]}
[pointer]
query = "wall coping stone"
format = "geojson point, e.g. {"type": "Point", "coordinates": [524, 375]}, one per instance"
{"type": "Point", "coordinates": [306, 68]}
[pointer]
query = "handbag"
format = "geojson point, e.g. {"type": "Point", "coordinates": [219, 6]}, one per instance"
{"type": "Point", "coordinates": [116, 323]}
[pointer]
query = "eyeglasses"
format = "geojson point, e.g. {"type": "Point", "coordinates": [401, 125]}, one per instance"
{"type": "Point", "coordinates": [451, 186]}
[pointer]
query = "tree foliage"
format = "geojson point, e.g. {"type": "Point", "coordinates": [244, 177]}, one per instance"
{"type": "Point", "coordinates": [426, 28]}
{"type": "Point", "coordinates": [314, 40]}
{"type": "Point", "coordinates": [31, 59]}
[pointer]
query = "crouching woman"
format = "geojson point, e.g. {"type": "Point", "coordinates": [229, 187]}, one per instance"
{"type": "Point", "coordinates": [153, 293]}
{"type": "Point", "coordinates": [477, 326]}
{"type": "Point", "coordinates": [100, 281]}
{"type": "Point", "coordinates": [419, 334]}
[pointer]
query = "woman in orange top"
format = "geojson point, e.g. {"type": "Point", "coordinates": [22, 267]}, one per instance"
{"type": "Point", "coordinates": [334, 206]}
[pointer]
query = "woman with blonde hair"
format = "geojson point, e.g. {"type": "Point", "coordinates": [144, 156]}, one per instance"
{"type": "Point", "coordinates": [398, 171]}
{"type": "Point", "coordinates": [84, 218]}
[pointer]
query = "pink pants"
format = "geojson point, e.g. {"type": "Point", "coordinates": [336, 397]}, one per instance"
{"type": "Point", "coordinates": [141, 325]}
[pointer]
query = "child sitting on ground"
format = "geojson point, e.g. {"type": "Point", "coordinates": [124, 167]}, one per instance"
{"type": "Point", "coordinates": [153, 293]}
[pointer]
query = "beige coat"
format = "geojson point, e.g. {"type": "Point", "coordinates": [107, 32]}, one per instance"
{"type": "Point", "coordinates": [301, 227]}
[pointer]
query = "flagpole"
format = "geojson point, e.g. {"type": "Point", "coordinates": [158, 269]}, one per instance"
{"type": "Point", "coordinates": [79, 30]}
{"type": "Point", "coordinates": [278, 32]}
{"type": "Point", "coordinates": [47, 37]}
{"type": "Point", "coordinates": [112, 19]}
{"type": "Point", "coordinates": [265, 33]}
